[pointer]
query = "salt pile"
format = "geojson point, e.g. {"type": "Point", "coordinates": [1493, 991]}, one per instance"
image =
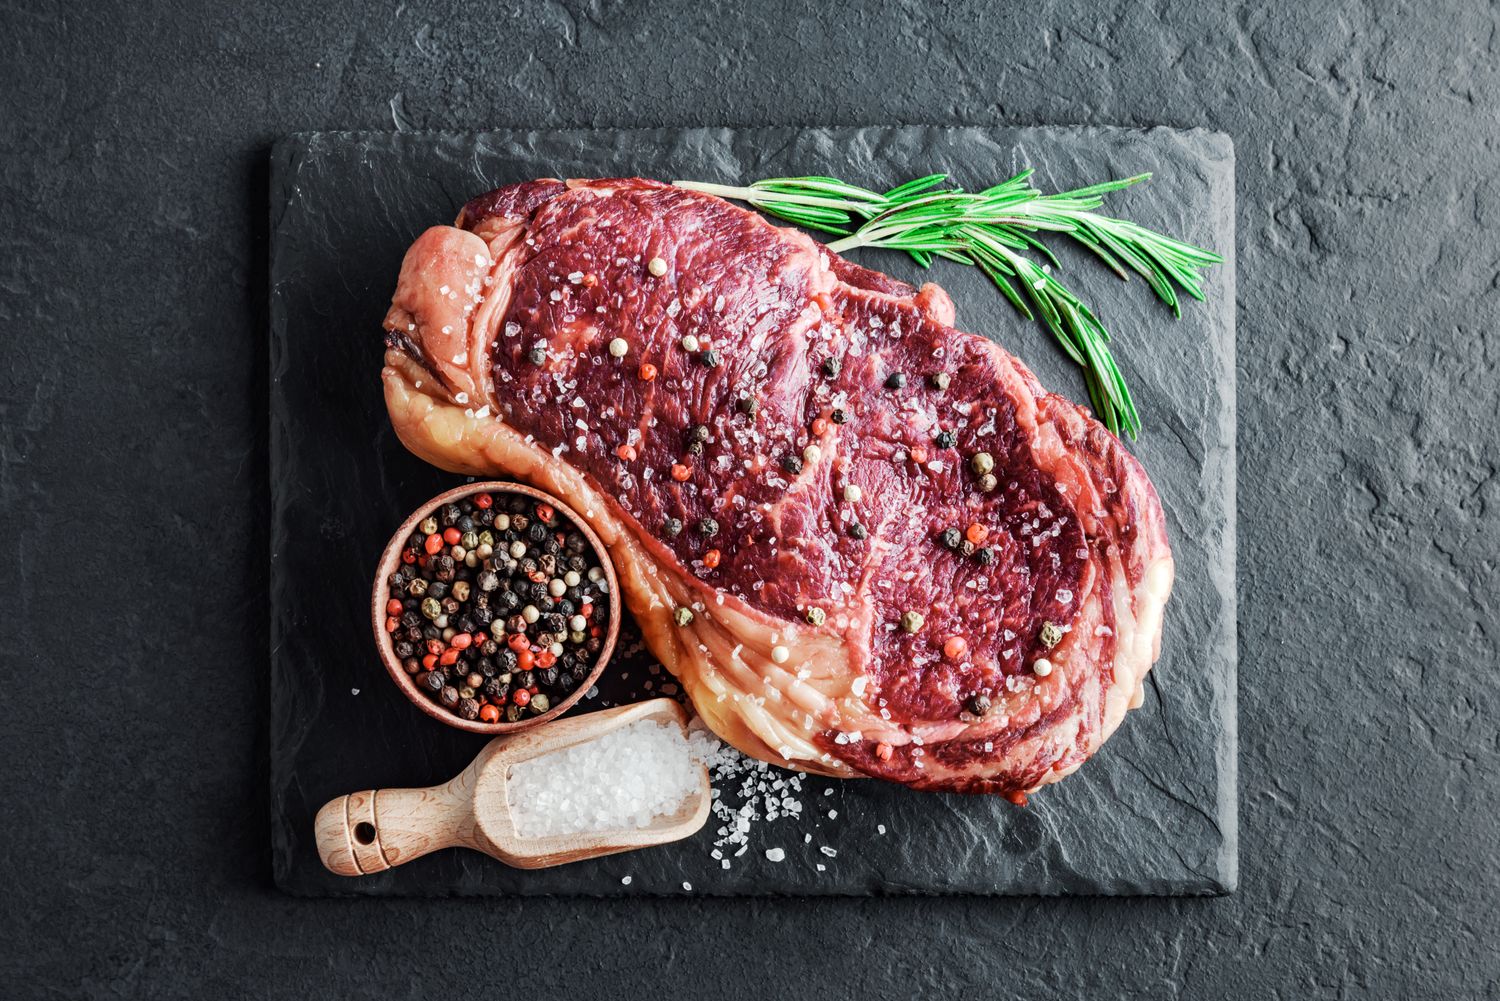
{"type": "Point", "coordinates": [622, 781]}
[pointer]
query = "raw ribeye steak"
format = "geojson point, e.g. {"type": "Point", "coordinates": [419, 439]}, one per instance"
{"type": "Point", "coordinates": [865, 542]}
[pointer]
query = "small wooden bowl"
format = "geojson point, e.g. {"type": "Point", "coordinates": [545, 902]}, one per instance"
{"type": "Point", "coordinates": [380, 593]}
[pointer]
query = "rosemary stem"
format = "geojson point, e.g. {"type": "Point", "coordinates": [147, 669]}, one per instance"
{"type": "Point", "coordinates": [756, 196]}
{"type": "Point", "coordinates": [721, 190]}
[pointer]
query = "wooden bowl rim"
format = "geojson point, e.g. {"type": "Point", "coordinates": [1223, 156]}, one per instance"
{"type": "Point", "coordinates": [380, 593]}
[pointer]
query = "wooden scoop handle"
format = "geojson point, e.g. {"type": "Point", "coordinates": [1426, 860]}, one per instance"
{"type": "Point", "coordinates": [378, 829]}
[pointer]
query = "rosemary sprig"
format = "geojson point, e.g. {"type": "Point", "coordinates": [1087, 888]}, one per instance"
{"type": "Point", "coordinates": [994, 230]}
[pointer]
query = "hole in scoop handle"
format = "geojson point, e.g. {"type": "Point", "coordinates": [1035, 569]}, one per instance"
{"type": "Point", "coordinates": [378, 829]}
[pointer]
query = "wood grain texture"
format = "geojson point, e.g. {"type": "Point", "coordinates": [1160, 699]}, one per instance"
{"type": "Point", "coordinates": [371, 831]}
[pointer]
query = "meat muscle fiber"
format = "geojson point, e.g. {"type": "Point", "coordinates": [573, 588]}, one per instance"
{"type": "Point", "coordinates": [815, 429]}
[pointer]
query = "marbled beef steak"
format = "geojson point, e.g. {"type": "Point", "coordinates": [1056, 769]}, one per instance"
{"type": "Point", "coordinates": [803, 474]}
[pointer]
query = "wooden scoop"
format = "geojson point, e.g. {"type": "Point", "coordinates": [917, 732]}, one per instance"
{"type": "Point", "coordinates": [375, 830]}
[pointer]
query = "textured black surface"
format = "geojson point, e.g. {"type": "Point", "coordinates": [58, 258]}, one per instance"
{"type": "Point", "coordinates": [1153, 813]}
{"type": "Point", "coordinates": [132, 447]}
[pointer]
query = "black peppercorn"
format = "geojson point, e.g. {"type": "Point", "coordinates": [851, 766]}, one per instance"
{"type": "Point", "coordinates": [526, 679]}
{"type": "Point", "coordinates": [449, 696]}
{"type": "Point", "coordinates": [547, 677]}
{"type": "Point", "coordinates": [858, 531]}
{"type": "Point", "coordinates": [792, 463]}
{"type": "Point", "coordinates": [896, 380]}
{"type": "Point", "coordinates": [984, 556]}
{"type": "Point", "coordinates": [411, 665]}
{"type": "Point", "coordinates": [698, 433]}
{"type": "Point", "coordinates": [708, 526]}
{"type": "Point", "coordinates": [709, 358]}
{"type": "Point", "coordinates": [468, 708]}
{"type": "Point", "coordinates": [506, 660]}
{"type": "Point", "coordinates": [538, 356]}
{"type": "Point", "coordinates": [839, 416]}
{"type": "Point", "coordinates": [519, 522]}
{"type": "Point", "coordinates": [405, 649]}
{"type": "Point", "coordinates": [945, 439]}
{"type": "Point", "coordinates": [952, 538]}
{"type": "Point", "coordinates": [832, 367]}
{"type": "Point", "coordinates": [433, 681]}
{"type": "Point", "coordinates": [967, 548]}
{"type": "Point", "coordinates": [978, 704]}
{"type": "Point", "coordinates": [748, 406]}
{"type": "Point", "coordinates": [451, 514]}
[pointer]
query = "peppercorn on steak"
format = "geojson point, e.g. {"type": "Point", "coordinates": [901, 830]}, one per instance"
{"type": "Point", "coordinates": [865, 542]}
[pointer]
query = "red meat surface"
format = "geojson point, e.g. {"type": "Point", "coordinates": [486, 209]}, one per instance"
{"type": "Point", "coordinates": [798, 565]}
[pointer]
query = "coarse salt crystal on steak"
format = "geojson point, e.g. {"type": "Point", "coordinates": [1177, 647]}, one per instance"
{"type": "Point", "coordinates": [783, 376]}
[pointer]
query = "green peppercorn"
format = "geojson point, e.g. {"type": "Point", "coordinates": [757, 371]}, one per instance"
{"type": "Point", "coordinates": [815, 616]}
{"type": "Point", "coordinates": [469, 540]}
{"type": "Point", "coordinates": [939, 381]}
{"type": "Point", "coordinates": [428, 526]}
{"type": "Point", "coordinates": [708, 526]}
{"type": "Point", "coordinates": [538, 356]}
{"type": "Point", "coordinates": [896, 380]}
{"type": "Point", "coordinates": [513, 713]}
{"type": "Point", "coordinates": [540, 703]}
{"type": "Point", "coordinates": [673, 527]}
{"type": "Point", "coordinates": [1051, 635]}
{"type": "Point", "coordinates": [431, 607]}
{"type": "Point", "coordinates": [698, 432]}
{"type": "Point", "coordinates": [747, 405]}
{"type": "Point", "coordinates": [911, 622]}
{"type": "Point", "coordinates": [683, 615]}
{"type": "Point", "coordinates": [982, 462]}
{"type": "Point", "coordinates": [832, 367]}
{"type": "Point", "coordinates": [417, 588]}
{"type": "Point", "coordinates": [695, 448]}
{"type": "Point", "coordinates": [988, 483]}
{"type": "Point", "coordinates": [945, 439]}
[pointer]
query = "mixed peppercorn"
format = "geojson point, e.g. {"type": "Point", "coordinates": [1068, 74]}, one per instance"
{"type": "Point", "coordinates": [499, 608]}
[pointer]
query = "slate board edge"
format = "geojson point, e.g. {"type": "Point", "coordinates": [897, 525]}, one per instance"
{"type": "Point", "coordinates": [286, 165]}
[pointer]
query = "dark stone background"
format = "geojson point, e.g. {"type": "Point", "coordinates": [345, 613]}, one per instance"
{"type": "Point", "coordinates": [133, 177]}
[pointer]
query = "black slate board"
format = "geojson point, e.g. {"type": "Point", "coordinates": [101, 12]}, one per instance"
{"type": "Point", "coordinates": [1153, 813]}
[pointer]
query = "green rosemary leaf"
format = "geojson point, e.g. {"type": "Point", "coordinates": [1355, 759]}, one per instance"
{"type": "Point", "coordinates": [993, 230]}
{"type": "Point", "coordinates": [914, 186]}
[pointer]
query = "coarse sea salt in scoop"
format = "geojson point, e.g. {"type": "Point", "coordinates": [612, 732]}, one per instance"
{"type": "Point", "coordinates": [621, 781]}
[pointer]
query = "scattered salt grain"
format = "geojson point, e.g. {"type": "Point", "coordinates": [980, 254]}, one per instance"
{"type": "Point", "coordinates": [623, 780]}
{"type": "Point", "coordinates": [625, 880]}
{"type": "Point", "coordinates": [775, 854]}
